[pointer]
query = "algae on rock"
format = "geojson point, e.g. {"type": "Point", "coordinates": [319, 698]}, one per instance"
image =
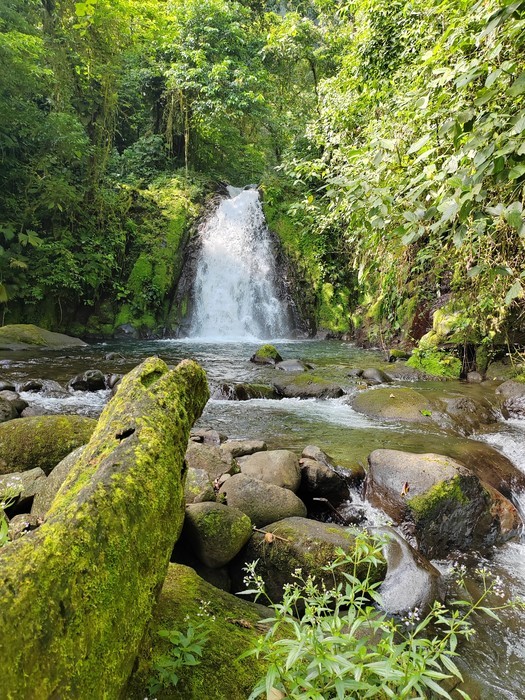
{"type": "Point", "coordinates": [79, 591]}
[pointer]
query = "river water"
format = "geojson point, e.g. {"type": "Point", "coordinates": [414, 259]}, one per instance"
{"type": "Point", "coordinates": [496, 656]}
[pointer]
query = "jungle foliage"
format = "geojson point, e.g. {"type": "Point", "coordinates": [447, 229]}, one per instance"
{"type": "Point", "coordinates": [388, 138]}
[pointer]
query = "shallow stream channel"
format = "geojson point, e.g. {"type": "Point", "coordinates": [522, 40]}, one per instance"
{"type": "Point", "coordinates": [495, 656]}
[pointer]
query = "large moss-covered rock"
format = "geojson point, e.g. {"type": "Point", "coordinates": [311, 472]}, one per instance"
{"type": "Point", "coordinates": [79, 591]}
{"type": "Point", "coordinates": [299, 543]}
{"type": "Point", "coordinates": [41, 441]}
{"type": "Point", "coordinates": [49, 489]}
{"type": "Point", "coordinates": [266, 355]}
{"type": "Point", "coordinates": [232, 627]}
{"type": "Point", "coordinates": [24, 336]}
{"type": "Point", "coordinates": [399, 404]}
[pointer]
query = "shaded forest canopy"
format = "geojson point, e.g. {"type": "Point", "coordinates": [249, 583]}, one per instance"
{"type": "Point", "coordinates": [387, 138]}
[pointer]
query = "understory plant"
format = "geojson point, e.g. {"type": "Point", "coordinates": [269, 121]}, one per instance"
{"type": "Point", "coordinates": [328, 643]}
{"type": "Point", "coordinates": [187, 647]}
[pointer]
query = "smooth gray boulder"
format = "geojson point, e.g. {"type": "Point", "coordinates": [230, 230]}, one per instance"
{"type": "Point", "coordinates": [90, 380]}
{"type": "Point", "coordinates": [241, 448]}
{"type": "Point", "coordinates": [215, 533]}
{"type": "Point", "coordinates": [375, 376]}
{"type": "Point", "coordinates": [208, 437]}
{"type": "Point", "coordinates": [263, 503]}
{"type": "Point", "coordinates": [278, 467]}
{"type": "Point", "coordinates": [210, 458]}
{"type": "Point", "coordinates": [7, 411]}
{"type": "Point", "coordinates": [26, 484]}
{"type": "Point", "coordinates": [511, 389]}
{"type": "Point", "coordinates": [293, 366]}
{"type": "Point", "coordinates": [411, 581]}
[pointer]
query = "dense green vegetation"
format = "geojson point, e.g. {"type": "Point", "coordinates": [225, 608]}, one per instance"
{"type": "Point", "coordinates": [388, 138]}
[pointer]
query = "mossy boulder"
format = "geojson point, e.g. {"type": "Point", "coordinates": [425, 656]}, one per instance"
{"type": "Point", "coordinates": [435, 361]}
{"type": "Point", "coordinates": [215, 533]}
{"type": "Point", "coordinates": [41, 441]}
{"type": "Point", "coordinates": [398, 404]}
{"type": "Point", "coordinates": [447, 505]}
{"type": "Point", "coordinates": [79, 591]}
{"type": "Point", "coordinates": [299, 543]}
{"type": "Point", "coordinates": [25, 336]}
{"type": "Point", "coordinates": [307, 386]}
{"type": "Point", "coordinates": [266, 355]}
{"type": "Point", "coordinates": [232, 627]}
{"type": "Point", "coordinates": [198, 487]}
{"type": "Point", "coordinates": [46, 494]}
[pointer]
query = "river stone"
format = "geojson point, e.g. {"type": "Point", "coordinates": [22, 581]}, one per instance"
{"type": "Point", "coordinates": [232, 625]}
{"type": "Point", "coordinates": [7, 411]}
{"type": "Point", "coordinates": [278, 467]}
{"type": "Point", "coordinates": [8, 395]}
{"type": "Point", "coordinates": [211, 459]}
{"type": "Point", "coordinates": [474, 377]}
{"type": "Point", "coordinates": [266, 355]}
{"type": "Point", "coordinates": [198, 487]}
{"type": "Point", "coordinates": [411, 581]}
{"type": "Point", "coordinates": [515, 407]}
{"type": "Point", "coordinates": [215, 533]}
{"type": "Point", "coordinates": [207, 436]}
{"type": "Point", "coordinates": [32, 411]}
{"type": "Point", "coordinates": [375, 376]}
{"type": "Point", "coordinates": [24, 336]}
{"type": "Point", "coordinates": [243, 392]}
{"type": "Point", "coordinates": [28, 484]}
{"type": "Point", "coordinates": [44, 386]}
{"type": "Point", "coordinates": [399, 404]}
{"type": "Point", "coordinates": [300, 543]}
{"type": "Point", "coordinates": [263, 503]}
{"type": "Point", "coordinates": [318, 480]}
{"type": "Point", "coordinates": [468, 414]}
{"type": "Point", "coordinates": [46, 494]}
{"type": "Point", "coordinates": [20, 524]}
{"type": "Point", "coordinates": [447, 504]}
{"type": "Point", "coordinates": [6, 385]}
{"type": "Point", "coordinates": [241, 448]}
{"type": "Point", "coordinates": [90, 380]}
{"type": "Point", "coordinates": [293, 366]}
{"type": "Point", "coordinates": [41, 441]}
{"type": "Point", "coordinates": [310, 388]}
{"type": "Point", "coordinates": [511, 389]}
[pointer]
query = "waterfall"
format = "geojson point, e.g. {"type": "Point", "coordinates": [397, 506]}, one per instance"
{"type": "Point", "coordinates": [235, 293]}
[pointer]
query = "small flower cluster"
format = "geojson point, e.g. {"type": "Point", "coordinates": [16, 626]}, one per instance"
{"type": "Point", "coordinates": [413, 617]}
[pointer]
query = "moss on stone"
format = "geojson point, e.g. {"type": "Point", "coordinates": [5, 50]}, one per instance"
{"type": "Point", "coordinates": [437, 362]}
{"type": "Point", "coordinates": [41, 441]}
{"type": "Point", "coordinates": [26, 335]}
{"type": "Point", "coordinates": [402, 404]}
{"type": "Point", "coordinates": [334, 308]}
{"type": "Point", "coordinates": [79, 590]}
{"type": "Point", "coordinates": [232, 626]}
{"type": "Point", "coordinates": [432, 501]}
{"type": "Point", "coordinates": [268, 351]}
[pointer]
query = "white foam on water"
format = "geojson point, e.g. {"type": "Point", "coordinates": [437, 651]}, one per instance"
{"type": "Point", "coordinates": [86, 403]}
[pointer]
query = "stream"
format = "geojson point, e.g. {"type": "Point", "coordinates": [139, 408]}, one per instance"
{"type": "Point", "coordinates": [495, 657]}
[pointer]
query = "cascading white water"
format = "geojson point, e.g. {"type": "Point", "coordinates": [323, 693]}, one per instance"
{"type": "Point", "coordinates": [235, 295]}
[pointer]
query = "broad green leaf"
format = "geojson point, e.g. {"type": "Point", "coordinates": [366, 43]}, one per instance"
{"type": "Point", "coordinates": [518, 86]}
{"type": "Point", "coordinates": [514, 292]}
{"type": "Point", "coordinates": [517, 171]}
{"type": "Point", "coordinates": [418, 145]}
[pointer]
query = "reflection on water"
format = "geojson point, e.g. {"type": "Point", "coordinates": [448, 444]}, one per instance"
{"type": "Point", "coordinates": [496, 657]}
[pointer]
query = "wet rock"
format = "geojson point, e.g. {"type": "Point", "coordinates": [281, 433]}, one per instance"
{"type": "Point", "coordinates": [299, 543]}
{"type": "Point", "coordinates": [511, 389]}
{"type": "Point", "coordinates": [32, 411]}
{"type": "Point", "coordinates": [318, 480]}
{"type": "Point", "coordinates": [22, 524]}
{"type": "Point", "coordinates": [375, 376]}
{"type": "Point", "coordinates": [399, 404]}
{"type": "Point", "coordinates": [515, 407]}
{"type": "Point", "coordinates": [90, 380]}
{"type": "Point", "coordinates": [126, 330]}
{"type": "Point", "coordinates": [310, 388]}
{"type": "Point", "coordinates": [113, 356]}
{"type": "Point", "coordinates": [9, 395]}
{"type": "Point", "coordinates": [293, 366]}
{"type": "Point", "coordinates": [6, 385]}
{"type": "Point", "coordinates": [474, 377]}
{"type": "Point", "coordinates": [243, 392]}
{"type": "Point", "coordinates": [266, 355]}
{"type": "Point", "coordinates": [44, 386]}
{"type": "Point", "coordinates": [112, 380]}
{"type": "Point", "coordinates": [26, 484]}
{"type": "Point", "coordinates": [241, 448]}
{"type": "Point", "coordinates": [7, 411]}
{"type": "Point", "coordinates": [210, 458]}
{"type": "Point", "coordinates": [396, 355]}
{"type": "Point", "coordinates": [411, 581]}
{"type": "Point", "coordinates": [448, 505]}
{"type": "Point", "coordinates": [215, 533]}
{"type": "Point", "coordinates": [262, 503]}
{"type": "Point", "coordinates": [49, 489]}
{"type": "Point", "coordinates": [489, 465]}
{"type": "Point", "coordinates": [14, 399]}
{"type": "Point", "coordinates": [198, 487]}
{"type": "Point", "coordinates": [41, 441]}
{"type": "Point", "coordinates": [355, 373]}
{"type": "Point", "coordinates": [278, 467]}
{"type": "Point", "coordinates": [468, 414]}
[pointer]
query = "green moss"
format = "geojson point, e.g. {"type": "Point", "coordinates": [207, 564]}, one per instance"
{"type": "Point", "coordinates": [436, 362]}
{"type": "Point", "coordinates": [80, 589]}
{"type": "Point", "coordinates": [41, 441]}
{"type": "Point", "coordinates": [334, 309]}
{"type": "Point", "coordinates": [20, 336]}
{"type": "Point", "coordinates": [232, 626]}
{"type": "Point", "coordinates": [268, 352]}
{"type": "Point", "coordinates": [433, 501]}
